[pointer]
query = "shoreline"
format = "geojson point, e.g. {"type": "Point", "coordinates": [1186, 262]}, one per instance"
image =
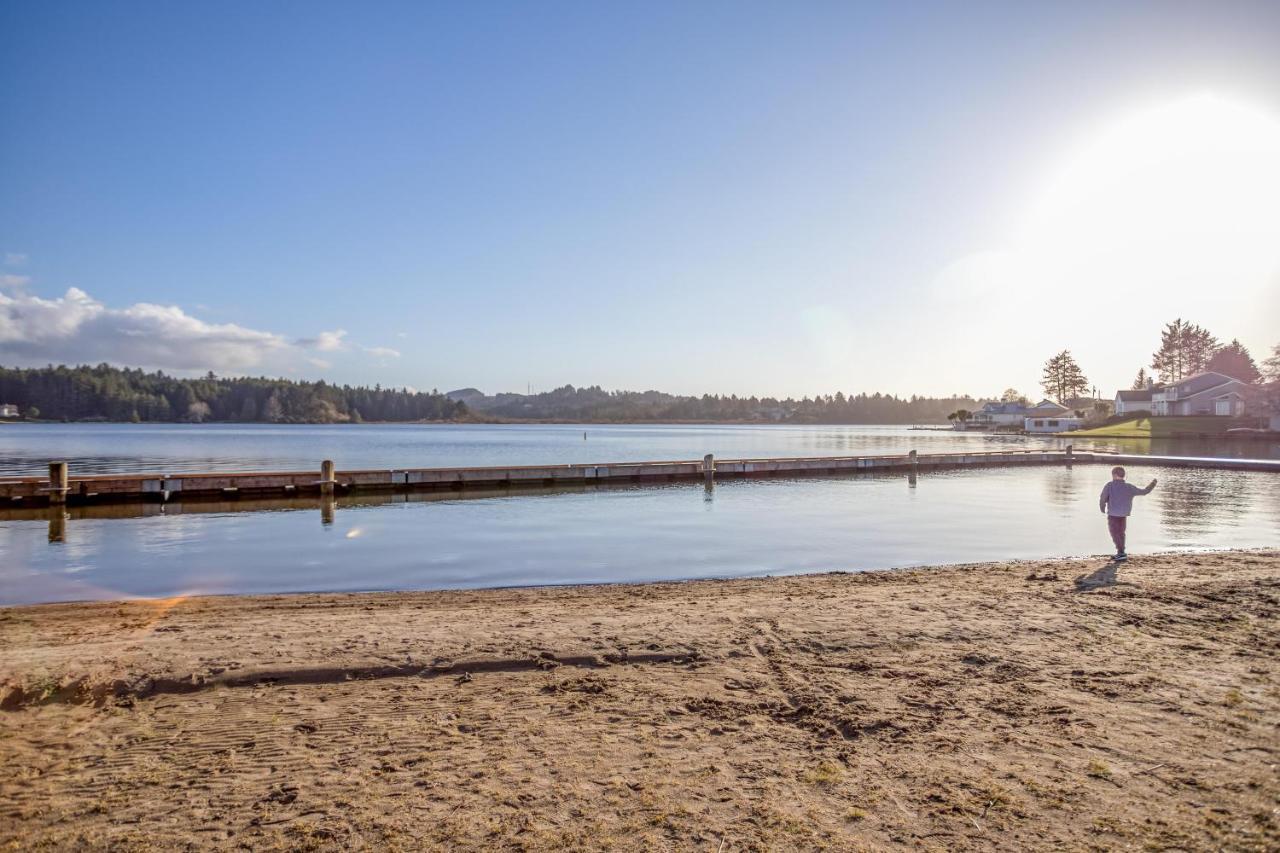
{"type": "Point", "coordinates": [958, 707]}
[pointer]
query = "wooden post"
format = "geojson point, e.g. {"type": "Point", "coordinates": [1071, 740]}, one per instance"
{"type": "Point", "coordinates": [1070, 454]}
{"type": "Point", "coordinates": [327, 478]}
{"type": "Point", "coordinates": [327, 506]}
{"type": "Point", "coordinates": [915, 460]}
{"type": "Point", "coordinates": [59, 482]}
{"type": "Point", "coordinates": [709, 467]}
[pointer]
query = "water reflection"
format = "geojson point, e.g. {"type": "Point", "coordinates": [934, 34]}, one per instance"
{"type": "Point", "coordinates": [25, 449]}
{"type": "Point", "coordinates": [57, 524]}
{"type": "Point", "coordinates": [622, 532]}
{"type": "Point", "coordinates": [1203, 501]}
{"type": "Point", "coordinates": [1061, 486]}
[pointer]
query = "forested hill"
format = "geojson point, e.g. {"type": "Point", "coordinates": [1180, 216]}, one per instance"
{"type": "Point", "coordinates": [594, 404]}
{"type": "Point", "coordinates": [115, 394]}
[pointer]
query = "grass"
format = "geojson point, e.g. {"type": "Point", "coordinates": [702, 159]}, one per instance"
{"type": "Point", "coordinates": [1173, 427]}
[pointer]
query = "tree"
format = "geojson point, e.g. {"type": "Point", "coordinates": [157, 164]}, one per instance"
{"type": "Point", "coordinates": [1271, 366]}
{"type": "Point", "coordinates": [32, 413]}
{"type": "Point", "coordinates": [1141, 381]}
{"type": "Point", "coordinates": [1185, 349]}
{"type": "Point", "coordinates": [1012, 395]}
{"type": "Point", "coordinates": [1062, 378]}
{"type": "Point", "coordinates": [1235, 361]}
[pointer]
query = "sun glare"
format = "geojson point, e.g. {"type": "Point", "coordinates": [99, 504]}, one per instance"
{"type": "Point", "coordinates": [1187, 193]}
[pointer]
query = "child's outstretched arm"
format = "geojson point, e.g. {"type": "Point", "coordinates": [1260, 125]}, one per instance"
{"type": "Point", "coordinates": [1148, 489]}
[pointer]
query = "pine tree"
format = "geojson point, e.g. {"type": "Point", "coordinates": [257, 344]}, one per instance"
{"type": "Point", "coordinates": [1140, 381]}
{"type": "Point", "coordinates": [1185, 349]}
{"type": "Point", "coordinates": [1062, 378]}
{"type": "Point", "coordinates": [1235, 361]}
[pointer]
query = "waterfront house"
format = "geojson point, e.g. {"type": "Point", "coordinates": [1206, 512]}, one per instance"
{"type": "Point", "coordinates": [1047, 408]}
{"type": "Point", "coordinates": [1056, 423]}
{"type": "Point", "coordinates": [8, 410]}
{"type": "Point", "coordinates": [1134, 402]}
{"type": "Point", "coordinates": [999, 414]}
{"type": "Point", "coordinates": [1207, 393]}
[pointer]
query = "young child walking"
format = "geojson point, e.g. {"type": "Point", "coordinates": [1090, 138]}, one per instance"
{"type": "Point", "coordinates": [1116, 502]}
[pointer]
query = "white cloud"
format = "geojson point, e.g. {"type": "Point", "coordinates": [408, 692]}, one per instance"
{"type": "Point", "coordinates": [9, 281]}
{"type": "Point", "coordinates": [326, 341]}
{"type": "Point", "coordinates": [320, 363]}
{"type": "Point", "coordinates": [382, 352]}
{"type": "Point", "coordinates": [76, 328]}
{"type": "Point", "coordinates": [15, 259]}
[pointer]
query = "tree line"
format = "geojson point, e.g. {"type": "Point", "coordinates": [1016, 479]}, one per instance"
{"type": "Point", "coordinates": [595, 404]}
{"type": "Point", "coordinates": [122, 394]}
{"type": "Point", "coordinates": [1185, 350]}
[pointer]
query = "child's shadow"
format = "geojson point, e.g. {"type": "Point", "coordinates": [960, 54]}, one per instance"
{"type": "Point", "coordinates": [1105, 576]}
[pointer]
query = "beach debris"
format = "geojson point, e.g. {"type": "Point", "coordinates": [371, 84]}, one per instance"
{"type": "Point", "coordinates": [283, 793]}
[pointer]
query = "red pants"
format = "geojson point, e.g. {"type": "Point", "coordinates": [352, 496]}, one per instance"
{"type": "Point", "coordinates": [1116, 524]}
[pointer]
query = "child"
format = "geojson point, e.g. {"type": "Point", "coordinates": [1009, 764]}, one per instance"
{"type": "Point", "coordinates": [1117, 502]}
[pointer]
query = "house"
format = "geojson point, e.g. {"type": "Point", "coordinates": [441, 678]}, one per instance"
{"type": "Point", "coordinates": [1046, 408]}
{"type": "Point", "coordinates": [8, 410]}
{"type": "Point", "coordinates": [1133, 402]}
{"type": "Point", "coordinates": [1057, 423]}
{"type": "Point", "coordinates": [999, 414]}
{"type": "Point", "coordinates": [1207, 393]}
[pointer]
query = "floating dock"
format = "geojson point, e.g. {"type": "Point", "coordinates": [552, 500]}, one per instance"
{"type": "Point", "coordinates": [63, 487]}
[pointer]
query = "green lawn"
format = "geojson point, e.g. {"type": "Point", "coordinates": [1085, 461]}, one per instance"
{"type": "Point", "coordinates": [1146, 427]}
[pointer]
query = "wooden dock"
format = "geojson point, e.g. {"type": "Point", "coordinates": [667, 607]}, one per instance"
{"type": "Point", "coordinates": [62, 486]}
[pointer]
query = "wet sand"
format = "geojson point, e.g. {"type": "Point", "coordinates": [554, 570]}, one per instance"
{"type": "Point", "coordinates": [1001, 706]}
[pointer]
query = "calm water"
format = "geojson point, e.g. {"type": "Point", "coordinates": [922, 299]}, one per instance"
{"type": "Point", "coordinates": [164, 448]}
{"type": "Point", "coordinates": [737, 528]}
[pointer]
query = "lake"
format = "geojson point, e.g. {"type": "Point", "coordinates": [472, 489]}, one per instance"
{"type": "Point", "coordinates": [633, 533]}
{"type": "Point", "coordinates": [173, 448]}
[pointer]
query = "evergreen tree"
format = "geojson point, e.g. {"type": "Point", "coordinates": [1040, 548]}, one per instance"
{"type": "Point", "coordinates": [1235, 361]}
{"type": "Point", "coordinates": [1062, 378]}
{"type": "Point", "coordinates": [1185, 349]}
{"type": "Point", "coordinates": [1140, 381]}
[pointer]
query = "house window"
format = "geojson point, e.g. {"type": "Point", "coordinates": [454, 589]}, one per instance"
{"type": "Point", "coordinates": [1053, 423]}
{"type": "Point", "coordinates": [1039, 423]}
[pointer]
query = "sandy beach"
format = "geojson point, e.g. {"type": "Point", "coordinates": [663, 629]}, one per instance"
{"type": "Point", "coordinates": [1041, 705]}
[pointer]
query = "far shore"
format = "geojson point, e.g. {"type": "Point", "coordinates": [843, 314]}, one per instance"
{"type": "Point", "coordinates": [1055, 704]}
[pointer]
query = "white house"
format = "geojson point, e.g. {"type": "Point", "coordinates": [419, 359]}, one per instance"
{"type": "Point", "coordinates": [1057, 423]}
{"type": "Point", "coordinates": [1130, 402]}
{"type": "Point", "coordinates": [8, 410]}
{"type": "Point", "coordinates": [999, 414]}
{"type": "Point", "coordinates": [1046, 408]}
{"type": "Point", "coordinates": [1206, 393]}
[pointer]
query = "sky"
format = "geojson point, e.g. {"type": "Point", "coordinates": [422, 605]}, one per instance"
{"type": "Point", "coordinates": [753, 198]}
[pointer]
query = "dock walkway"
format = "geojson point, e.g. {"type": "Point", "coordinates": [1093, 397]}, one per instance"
{"type": "Point", "coordinates": [61, 487]}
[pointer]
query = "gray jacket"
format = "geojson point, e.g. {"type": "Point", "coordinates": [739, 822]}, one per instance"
{"type": "Point", "coordinates": [1117, 497]}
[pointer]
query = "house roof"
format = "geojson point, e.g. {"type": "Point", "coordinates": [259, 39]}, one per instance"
{"type": "Point", "coordinates": [1201, 382]}
{"type": "Point", "coordinates": [1003, 408]}
{"type": "Point", "coordinates": [1047, 406]}
{"type": "Point", "coordinates": [1141, 395]}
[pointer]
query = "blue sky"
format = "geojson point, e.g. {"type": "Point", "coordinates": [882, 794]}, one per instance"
{"type": "Point", "coordinates": [749, 198]}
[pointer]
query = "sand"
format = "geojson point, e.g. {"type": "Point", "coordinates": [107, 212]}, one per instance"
{"type": "Point", "coordinates": [1005, 706]}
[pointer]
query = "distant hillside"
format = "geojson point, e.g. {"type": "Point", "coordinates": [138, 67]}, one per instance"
{"type": "Point", "coordinates": [594, 404]}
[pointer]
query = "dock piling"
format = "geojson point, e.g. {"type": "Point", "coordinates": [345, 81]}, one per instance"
{"type": "Point", "coordinates": [709, 467]}
{"type": "Point", "coordinates": [59, 481]}
{"type": "Point", "coordinates": [327, 478]}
